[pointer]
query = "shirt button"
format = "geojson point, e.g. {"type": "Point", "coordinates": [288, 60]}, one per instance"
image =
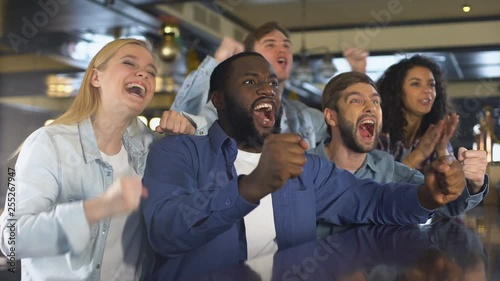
{"type": "Point", "coordinates": [103, 232]}
{"type": "Point", "coordinates": [228, 202]}
{"type": "Point", "coordinates": [98, 266]}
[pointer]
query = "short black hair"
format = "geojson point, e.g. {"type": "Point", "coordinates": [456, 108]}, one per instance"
{"type": "Point", "coordinates": [221, 73]}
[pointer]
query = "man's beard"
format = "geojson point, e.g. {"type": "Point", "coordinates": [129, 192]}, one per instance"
{"type": "Point", "coordinates": [348, 136]}
{"type": "Point", "coordinates": [243, 126]}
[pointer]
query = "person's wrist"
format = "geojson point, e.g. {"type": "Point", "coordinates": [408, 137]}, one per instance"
{"type": "Point", "coordinates": [474, 187]}
{"type": "Point", "coordinates": [361, 69]}
{"type": "Point", "coordinates": [426, 198]}
{"type": "Point", "coordinates": [108, 205]}
{"type": "Point", "coordinates": [251, 187]}
{"type": "Point", "coordinates": [97, 209]}
{"type": "Point", "coordinates": [246, 189]}
{"type": "Point", "coordinates": [410, 161]}
{"type": "Point", "coordinates": [220, 55]}
{"type": "Point", "coordinates": [417, 157]}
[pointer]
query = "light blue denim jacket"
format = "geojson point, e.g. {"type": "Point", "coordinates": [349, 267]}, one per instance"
{"type": "Point", "coordinates": [60, 166]}
{"type": "Point", "coordinates": [193, 96]}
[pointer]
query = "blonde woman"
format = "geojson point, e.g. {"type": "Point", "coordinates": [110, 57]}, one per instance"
{"type": "Point", "coordinates": [78, 185]}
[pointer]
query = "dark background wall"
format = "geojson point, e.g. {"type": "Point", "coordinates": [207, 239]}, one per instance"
{"type": "Point", "coordinates": [16, 123]}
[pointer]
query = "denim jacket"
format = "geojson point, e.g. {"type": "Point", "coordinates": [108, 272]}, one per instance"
{"type": "Point", "coordinates": [192, 98]}
{"type": "Point", "coordinates": [58, 168]}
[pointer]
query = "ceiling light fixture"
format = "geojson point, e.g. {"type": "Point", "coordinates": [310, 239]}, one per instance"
{"type": "Point", "coordinates": [466, 8]}
{"type": "Point", "coordinates": [326, 68]}
{"type": "Point", "coordinates": [304, 72]}
{"type": "Point", "coordinates": [169, 50]}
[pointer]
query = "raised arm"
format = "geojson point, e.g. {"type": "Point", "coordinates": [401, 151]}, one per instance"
{"type": "Point", "coordinates": [436, 139]}
{"type": "Point", "coordinates": [365, 201]}
{"type": "Point", "coordinates": [193, 94]}
{"type": "Point", "coordinates": [357, 58]}
{"type": "Point", "coordinates": [470, 196]}
{"type": "Point", "coordinates": [474, 165]}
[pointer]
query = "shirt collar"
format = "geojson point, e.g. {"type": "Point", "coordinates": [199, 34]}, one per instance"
{"type": "Point", "coordinates": [218, 137]}
{"type": "Point", "coordinates": [135, 139]}
{"type": "Point", "coordinates": [88, 141]}
{"type": "Point", "coordinates": [370, 163]}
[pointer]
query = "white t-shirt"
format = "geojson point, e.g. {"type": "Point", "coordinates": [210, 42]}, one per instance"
{"type": "Point", "coordinates": [284, 123]}
{"type": "Point", "coordinates": [122, 247]}
{"type": "Point", "coordinates": [259, 223]}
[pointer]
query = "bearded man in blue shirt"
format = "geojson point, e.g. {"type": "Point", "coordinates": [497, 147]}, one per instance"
{"type": "Point", "coordinates": [245, 190]}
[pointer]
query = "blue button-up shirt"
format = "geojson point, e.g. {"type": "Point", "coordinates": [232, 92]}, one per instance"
{"type": "Point", "coordinates": [381, 167]}
{"type": "Point", "coordinates": [194, 213]}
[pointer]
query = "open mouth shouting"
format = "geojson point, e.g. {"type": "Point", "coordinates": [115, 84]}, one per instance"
{"type": "Point", "coordinates": [366, 129]}
{"type": "Point", "coordinates": [136, 89]}
{"type": "Point", "coordinates": [282, 61]}
{"type": "Point", "coordinates": [264, 113]}
{"type": "Point", "coordinates": [426, 101]}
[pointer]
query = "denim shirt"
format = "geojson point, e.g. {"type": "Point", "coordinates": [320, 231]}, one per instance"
{"type": "Point", "coordinates": [192, 98]}
{"type": "Point", "coordinates": [381, 167]}
{"type": "Point", "coordinates": [194, 212]}
{"type": "Point", "coordinates": [58, 168]}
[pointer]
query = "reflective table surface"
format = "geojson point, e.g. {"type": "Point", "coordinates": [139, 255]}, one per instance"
{"type": "Point", "coordinates": [465, 248]}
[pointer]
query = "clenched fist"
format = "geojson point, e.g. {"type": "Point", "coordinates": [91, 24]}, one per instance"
{"type": "Point", "coordinates": [125, 195]}
{"type": "Point", "coordinates": [474, 165]}
{"type": "Point", "coordinates": [173, 122]}
{"type": "Point", "coordinates": [282, 158]}
{"type": "Point", "coordinates": [444, 182]}
{"type": "Point", "coordinates": [122, 197]}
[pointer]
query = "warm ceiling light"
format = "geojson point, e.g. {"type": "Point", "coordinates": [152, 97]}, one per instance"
{"type": "Point", "coordinates": [169, 50]}
{"type": "Point", "coordinates": [466, 8]}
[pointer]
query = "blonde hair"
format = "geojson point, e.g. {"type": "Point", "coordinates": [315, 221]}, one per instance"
{"type": "Point", "coordinates": [87, 100]}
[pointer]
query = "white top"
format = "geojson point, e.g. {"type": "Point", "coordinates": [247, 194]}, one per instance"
{"type": "Point", "coordinates": [259, 223]}
{"type": "Point", "coordinates": [284, 123]}
{"type": "Point", "coordinates": [122, 248]}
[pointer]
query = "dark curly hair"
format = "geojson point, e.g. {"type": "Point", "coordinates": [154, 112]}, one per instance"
{"type": "Point", "coordinates": [390, 87]}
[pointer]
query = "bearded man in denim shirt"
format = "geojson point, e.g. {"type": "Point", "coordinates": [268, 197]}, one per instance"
{"type": "Point", "coordinates": [351, 106]}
